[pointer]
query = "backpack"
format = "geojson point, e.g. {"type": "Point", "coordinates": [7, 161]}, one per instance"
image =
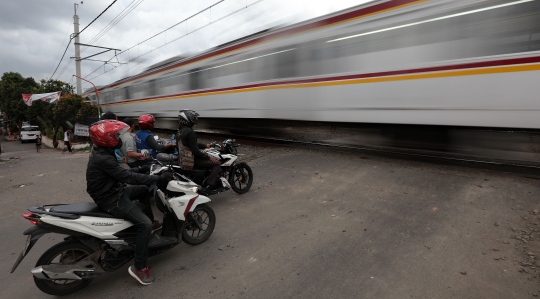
{"type": "Point", "coordinates": [186, 161]}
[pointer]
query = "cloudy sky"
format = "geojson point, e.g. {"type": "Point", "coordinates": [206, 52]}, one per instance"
{"type": "Point", "coordinates": [35, 33]}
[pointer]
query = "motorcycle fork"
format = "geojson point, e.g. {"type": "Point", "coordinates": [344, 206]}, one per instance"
{"type": "Point", "coordinates": [195, 220]}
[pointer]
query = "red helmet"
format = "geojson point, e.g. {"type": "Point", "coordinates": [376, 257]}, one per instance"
{"type": "Point", "coordinates": [105, 133]}
{"type": "Point", "coordinates": [146, 121]}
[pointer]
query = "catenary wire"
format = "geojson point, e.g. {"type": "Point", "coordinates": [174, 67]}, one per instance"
{"type": "Point", "coordinates": [114, 22]}
{"type": "Point", "coordinates": [174, 40]}
{"type": "Point", "coordinates": [76, 36]}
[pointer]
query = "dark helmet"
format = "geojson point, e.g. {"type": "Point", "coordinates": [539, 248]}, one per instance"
{"type": "Point", "coordinates": [106, 133]}
{"type": "Point", "coordinates": [146, 121]}
{"type": "Point", "coordinates": [188, 117]}
{"type": "Point", "coordinates": [109, 115]}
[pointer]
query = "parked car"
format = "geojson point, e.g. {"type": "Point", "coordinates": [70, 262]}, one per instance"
{"type": "Point", "coordinates": [29, 133]}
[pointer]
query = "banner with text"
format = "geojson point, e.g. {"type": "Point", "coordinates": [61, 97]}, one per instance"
{"type": "Point", "coordinates": [81, 130]}
{"type": "Point", "coordinates": [50, 97]}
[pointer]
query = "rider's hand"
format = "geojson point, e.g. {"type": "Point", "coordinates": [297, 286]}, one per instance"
{"type": "Point", "coordinates": [208, 145]}
{"type": "Point", "coordinates": [166, 176]}
{"type": "Point", "coordinates": [213, 159]}
{"type": "Point", "coordinates": [144, 169]}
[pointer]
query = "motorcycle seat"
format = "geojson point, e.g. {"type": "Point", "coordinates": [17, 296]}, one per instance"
{"type": "Point", "coordinates": [194, 171]}
{"type": "Point", "coordinates": [82, 209]}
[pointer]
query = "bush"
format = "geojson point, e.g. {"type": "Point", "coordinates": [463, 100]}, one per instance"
{"type": "Point", "coordinates": [60, 134]}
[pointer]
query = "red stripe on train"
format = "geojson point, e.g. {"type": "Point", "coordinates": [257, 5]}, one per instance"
{"type": "Point", "coordinates": [472, 65]}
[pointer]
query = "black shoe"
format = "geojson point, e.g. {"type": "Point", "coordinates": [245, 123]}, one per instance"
{"type": "Point", "coordinates": [207, 191]}
{"type": "Point", "coordinates": [221, 189]}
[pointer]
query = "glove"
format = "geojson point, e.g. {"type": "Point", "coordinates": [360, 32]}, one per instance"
{"type": "Point", "coordinates": [166, 177]}
{"type": "Point", "coordinates": [144, 169]}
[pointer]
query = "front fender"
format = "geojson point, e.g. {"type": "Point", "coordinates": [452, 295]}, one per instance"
{"type": "Point", "coordinates": [193, 203]}
{"type": "Point", "coordinates": [199, 200]}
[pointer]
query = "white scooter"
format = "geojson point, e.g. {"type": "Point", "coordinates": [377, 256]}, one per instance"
{"type": "Point", "coordinates": [98, 243]}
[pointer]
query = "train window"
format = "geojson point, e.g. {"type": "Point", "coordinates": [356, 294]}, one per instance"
{"type": "Point", "coordinates": [195, 79]}
{"type": "Point", "coordinates": [534, 42]}
{"type": "Point", "coordinates": [127, 92]}
{"type": "Point", "coordinates": [151, 88]}
{"type": "Point", "coordinates": [264, 65]}
{"type": "Point", "coordinates": [118, 94]}
{"type": "Point", "coordinates": [107, 97]}
{"type": "Point", "coordinates": [286, 63]}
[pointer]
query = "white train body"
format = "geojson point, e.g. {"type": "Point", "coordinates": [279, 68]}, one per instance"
{"type": "Point", "coordinates": [434, 62]}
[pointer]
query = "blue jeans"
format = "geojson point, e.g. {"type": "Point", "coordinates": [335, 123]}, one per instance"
{"type": "Point", "coordinates": [126, 209]}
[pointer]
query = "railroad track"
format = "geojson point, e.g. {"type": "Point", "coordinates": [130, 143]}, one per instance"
{"type": "Point", "coordinates": [525, 168]}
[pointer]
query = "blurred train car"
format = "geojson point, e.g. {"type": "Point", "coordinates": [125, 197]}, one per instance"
{"type": "Point", "coordinates": [419, 62]}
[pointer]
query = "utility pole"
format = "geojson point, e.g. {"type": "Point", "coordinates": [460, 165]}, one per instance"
{"type": "Point", "coordinates": [77, 50]}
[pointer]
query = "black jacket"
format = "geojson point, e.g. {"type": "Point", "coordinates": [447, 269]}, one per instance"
{"type": "Point", "coordinates": [189, 139]}
{"type": "Point", "coordinates": [105, 178]}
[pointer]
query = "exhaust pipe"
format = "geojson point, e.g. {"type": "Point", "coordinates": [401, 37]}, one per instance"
{"type": "Point", "coordinates": [77, 271]}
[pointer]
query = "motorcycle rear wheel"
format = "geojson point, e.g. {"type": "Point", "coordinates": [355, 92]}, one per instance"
{"type": "Point", "coordinates": [65, 253]}
{"type": "Point", "coordinates": [205, 218]}
{"type": "Point", "coordinates": [241, 178]}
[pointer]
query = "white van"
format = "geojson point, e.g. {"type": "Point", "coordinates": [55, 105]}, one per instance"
{"type": "Point", "coordinates": [29, 133]}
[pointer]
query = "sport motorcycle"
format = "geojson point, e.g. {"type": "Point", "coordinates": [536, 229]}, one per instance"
{"type": "Point", "coordinates": [234, 175]}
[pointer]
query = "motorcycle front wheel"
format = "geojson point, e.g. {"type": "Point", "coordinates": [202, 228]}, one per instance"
{"type": "Point", "coordinates": [199, 225]}
{"type": "Point", "coordinates": [65, 253]}
{"type": "Point", "coordinates": [241, 178]}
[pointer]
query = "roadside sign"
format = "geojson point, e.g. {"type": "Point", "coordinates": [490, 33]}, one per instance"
{"type": "Point", "coordinates": [81, 130]}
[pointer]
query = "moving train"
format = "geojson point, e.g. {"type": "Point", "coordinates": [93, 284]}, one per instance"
{"type": "Point", "coordinates": [466, 63]}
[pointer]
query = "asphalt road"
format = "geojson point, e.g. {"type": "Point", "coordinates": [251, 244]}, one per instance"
{"type": "Point", "coordinates": [314, 225]}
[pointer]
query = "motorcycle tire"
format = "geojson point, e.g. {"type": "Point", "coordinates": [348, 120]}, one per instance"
{"type": "Point", "coordinates": [206, 218]}
{"type": "Point", "coordinates": [69, 252]}
{"type": "Point", "coordinates": [241, 178]}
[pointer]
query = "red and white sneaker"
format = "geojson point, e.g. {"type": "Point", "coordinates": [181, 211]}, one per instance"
{"type": "Point", "coordinates": [156, 225]}
{"type": "Point", "coordinates": [143, 276]}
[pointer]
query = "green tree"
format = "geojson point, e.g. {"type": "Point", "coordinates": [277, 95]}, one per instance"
{"type": "Point", "coordinates": [56, 85]}
{"type": "Point", "coordinates": [72, 108]}
{"type": "Point", "coordinates": [12, 86]}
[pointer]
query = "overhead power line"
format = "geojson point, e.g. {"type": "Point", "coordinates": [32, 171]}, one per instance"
{"type": "Point", "coordinates": [66, 35]}
{"type": "Point", "coordinates": [94, 20]}
{"type": "Point", "coordinates": [114, 21]}
{"type": "Point", "coordinates": [174, 40]}
{"type": "Point", "coordinates": [76, 36]}
{"type": "Point", "coordinates": [69, 42]}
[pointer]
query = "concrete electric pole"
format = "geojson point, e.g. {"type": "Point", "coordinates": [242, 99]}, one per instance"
{"type": "Point", "coordinates": [77, 51]}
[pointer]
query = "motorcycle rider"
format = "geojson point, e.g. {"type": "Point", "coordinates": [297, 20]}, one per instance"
{"type": "Point", "coordinates": [145, 140]}
{"type": "Point", "coordinates": [129, 149]}
{"type": "Point", "coordinates": [105, 178]}
{"type": "Point", "coordinates": [187, 119]}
